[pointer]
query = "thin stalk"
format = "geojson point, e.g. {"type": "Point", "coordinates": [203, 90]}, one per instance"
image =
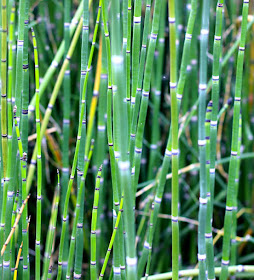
{"type": "Point", "coordinates": [156, 96]}
{"type": "Point", "coordinates": [14, 213]}
{"type": "Point", "coordinates": [25, 88]}
{"type": "Point", "coordinates": [136, 47]}
{"type": "Point", "coordinates": [113, 147]}
{"type": "Point", "coordinates": [145, 95]}
{"type": "Point", "coordinates": [52, 228]}
{"type": "Point", "coordinates": [201, 138]}
{"type": "Point", "coordinates": [81, 118]}
{"type": "Point", "coordinates": [112, 239]}
{"type": "Point", "coordinates": [239, 270]}
{"type": "Point", "coordinates": [135, 100]}
{"type": "Point", "coordinates": [66, 116]}
{"type": "Point", "coordinates": [23, 166]}
{"type": "Point", "coordinates": [54, 64]}
{"type": "Point", "coordinates": [208, 234]}
{"type": "Point", "coordinates": [175, 151]}
{"type": "Point", "coordinates": [20, 211]}
{"type": "Point", "coordinates": [52, 100]}
{"type": "Point", "coordinates": [121, 130]}
{"type": "Point", "coordinates": [9, 185]}
{"type": "Point", "coordinates": [167, 155]}
{"type": "Point", "coordinates": [4, 128]}
{"type": "Point", "coordinates": [215, 100]}
{"type": "Point", "coordinates": [150, 243]}
{"type": "Point", "coordinates": [234, 243]}
{"type": "Point", "coordinates": [87, 159]}
{"type": "Point", "coordinates": [93, 265]}
{"type": "Point", "coordinates": [4, 87]}
{"type": "Point", "coordinates": [231, 188]}
{"type": "Point", "coordinates": [80, 165]}
{"type": "Point", "coordinates": [39, 167]}
{"type": "Point", "coordinates": [128, 60]}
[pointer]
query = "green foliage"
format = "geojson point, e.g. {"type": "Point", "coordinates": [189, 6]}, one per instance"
{"type": "Point", "coordinates": [126, 139]}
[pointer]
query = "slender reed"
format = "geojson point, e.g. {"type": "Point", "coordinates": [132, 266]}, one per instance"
{"type": "Point", "coordinates": [112, 239]}
{"type": "Point", "coordinates": [150, 243]}
{"type": "Point", "coordinates": [120, 133]}
{"type": "Point", "coordinates": [113, 148]}
{"type": "Point", "coordinates": [4, 85]}
{"type": "Point", "coordinates": [39, 165]}
{"type": "Point", "coordinates": [135, 99]}
{"type": "Point", "coordinates": [52, 100]}
{"type": "Point", "coordinates": [82, 111]}
{"type": "Point", "coordinates": [201, 139]}
{"type": "Point", "coordinates": [231, 190]}
{"type": "Point", "coordinates": [215, 100]}
{"type": "Point", "coordinates": [54, 64]}
{"type": "Point", "coordinates": [66, 116]}
{"type": "Point", "coordinates": [167, 156]}
{"type": "Point", "coordinates": [80, 165]}
{"type": "Point", "coordinates": [52, 228]}
{"type": "Point", "coordinates": [239, 270]}
{"type": "Point", "coordinates": [87, 160]}
{"type": "Point", "coordinates": [233, 256]}
{"type": "Point", "coordinates": [93, 265]}
{"type": "Point", "coordinates": [23, 167]}
{"type": "Point", "coordinates": [175, 151]}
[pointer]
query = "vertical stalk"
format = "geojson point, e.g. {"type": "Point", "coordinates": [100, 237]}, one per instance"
{"type": "Point", "coordinates": [113, 148]}
{"type": "Point", "coordinates": [80, 126]}
{"type": "Point", "coordinates": [136, 46]}
{"type": "Point", "coordinates": [80, 166]}
{"type": "Point", "coordinates": [52, 101]}
{"type": "Point", "coordinates": [52, 228]}
{"type": "Point", "coordinates": [215, 100]}
{"type": "Point", "coordinates": [156, 96]}
{"type": "Point", "coordinates": [201, 138]}
{"type": "Point", "coordinates": [135, 100]}
{"type": "Point", "coordinates": [39, 167]}
{"type": "Point", "coordinates": [87, 159]}
{"type": "Point", "coordinates": [208, 233]}
{"type": "Point", "coordinates": [9, 183]}
{"type": "Point", "coordinates": [128, 61]}
{"type": "Point", "coordinates": [233, 259]}
{"type": "Point", "coordinates": [25, 89]}
{"type": "Point", "coordinates": [4, 87]}
{"type": "Point", "coordinates": [4, 143]}
{"type": "Point", "coordinates": [93, 265]}
{"type": "Point", "coordinates": [54, 64]}
{"type": "Point", "coordinates": [175, 151]}
{"type": "Point", "coordinates": [167, 155]}
{"type": "Point", "coordinates": [121, 130]}
{"type": "Point", "coordinates": [231, 188]}
{"type": "Point", "coordinates": [66, 120]}
{"type": "Point", "coordinates": [23, 166]}
{"type": "Point", "coordinates": [112, 239]}
{"type": "Point", "coordinates": [149, 244]}
{"type": "Point", "coordinates": [145, 95]}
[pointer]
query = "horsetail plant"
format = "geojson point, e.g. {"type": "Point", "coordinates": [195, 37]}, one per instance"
{"type": "Point", "coordinates": [23, 167]}
{"type": "Point", "coordinates": [93, 266]}
{"type": "Point", "coordinates": [213, 129]}
{"type": "Point", "coordinates": [77, 211]}
{"type": "Point", "coordinates": [231, 191]}
{"type": "Point", "coordinates": [201, 139]}
{"type": "Point", "coordinates": [233, 255]}
{"type": "Point", "coordinates": [84, 61]}
{"type": "Point", "coordinates": [174, 151]}
{"type": "Point", "coordinates": [39, 169]}
{"type": "Point", "coordinates": [52, 228]}
{"type": "Point", "coordinates": [91, 102]}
